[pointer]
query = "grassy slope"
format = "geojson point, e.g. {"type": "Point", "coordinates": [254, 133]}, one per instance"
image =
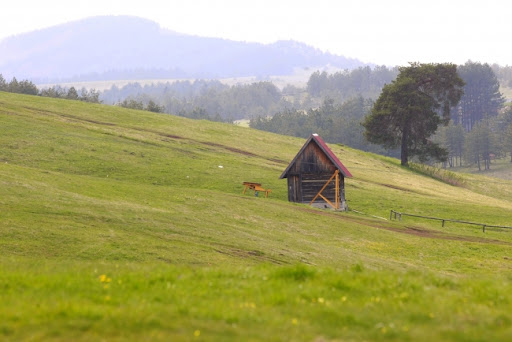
{"type": "Point", "coordinates": [500, 169]}
{"type": "Point", "coordinates": [120, 224]}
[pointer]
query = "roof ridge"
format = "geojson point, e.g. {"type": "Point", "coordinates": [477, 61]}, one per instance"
{"type": "Point", "coordinates": [323, 146]}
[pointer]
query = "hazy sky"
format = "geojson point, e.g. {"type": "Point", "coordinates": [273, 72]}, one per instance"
{"type": "Point", "coordinates": [386, 32]}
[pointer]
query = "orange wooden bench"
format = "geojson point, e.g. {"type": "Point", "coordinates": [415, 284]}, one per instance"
{"type": "Point", "coordinates": [256, 187]}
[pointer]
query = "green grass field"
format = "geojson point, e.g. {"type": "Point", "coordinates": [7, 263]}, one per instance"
{"type": "Point", "coordinates": [120, 225]}
{"type": "Point", "coordinates": [499, 169]}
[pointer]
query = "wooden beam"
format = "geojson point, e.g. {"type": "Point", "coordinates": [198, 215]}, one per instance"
{"type": "Point", "coordinates": [328, 202]}
{"type": "Point", "coordinates": [337, 191]}
{"type": "Point", "coordinates": [323, 188]}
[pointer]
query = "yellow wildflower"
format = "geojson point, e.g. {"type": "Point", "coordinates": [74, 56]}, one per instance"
{"type": "Point", "coordinates": [104, 279]}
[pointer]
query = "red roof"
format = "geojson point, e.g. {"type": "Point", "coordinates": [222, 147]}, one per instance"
{"type": "Point", "coordinates": [323, 146]}
{"type": "Point", "coordinates": [331, 156]}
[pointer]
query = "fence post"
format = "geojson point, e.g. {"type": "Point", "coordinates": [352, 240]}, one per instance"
{"type": "Point", "coordinates": [394, 214]}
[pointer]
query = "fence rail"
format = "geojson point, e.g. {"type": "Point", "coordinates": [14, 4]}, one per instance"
{"type": "Point", "coordinates": [484, 225]}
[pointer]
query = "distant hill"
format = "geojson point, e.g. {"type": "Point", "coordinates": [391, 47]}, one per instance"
{"type": "Point", "coordinates": [124, 47]}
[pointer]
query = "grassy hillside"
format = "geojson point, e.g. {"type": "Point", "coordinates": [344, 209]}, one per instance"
{"type": "Point", "coordinates": [126, 225]}
{"type": "Point", "coordinates": [500, 169]}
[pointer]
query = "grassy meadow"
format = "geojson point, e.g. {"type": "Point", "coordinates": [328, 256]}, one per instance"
{"type": "Point", "coordinates": [118, 224]}
{"type": "Point", "coordinates": [499, 169]}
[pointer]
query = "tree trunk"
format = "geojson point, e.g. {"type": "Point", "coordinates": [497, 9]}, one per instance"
{"type": "Point", "coordinates": [404, 152]}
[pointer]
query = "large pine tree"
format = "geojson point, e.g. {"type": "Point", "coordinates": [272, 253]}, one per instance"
{"type": "Point", "coordinates": [410, 109]}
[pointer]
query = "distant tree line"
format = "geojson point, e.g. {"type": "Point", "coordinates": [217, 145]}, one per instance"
{"type": "Point", "coordinates": [504, 74]}
{"type": "Point", "coordinates": [20, 87]}
{"type": "Point", "coordinates": [489, 139]}
{"type": "Point", "coordinates": [71, 93]}
{"type": "Point", "coordinates": [29, 88]}
{"type": "Point", "coordinates": [336, 123]}
{"type": "Point", "coordinates": [213, 100]}
{"type": "Point", "coordinates": [133, 104]}
{"type": "Point", "coordinates": [481, 99]}
{"type": "Point", "coordinates": [203, 99]}
{"type": "Point", "coordinates": [343, 85]}
{"type": "Point", "coordinates": [481, 125]}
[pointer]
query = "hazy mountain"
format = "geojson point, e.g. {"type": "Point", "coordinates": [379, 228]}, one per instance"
{"type": "Point", "coordinates": [116, 47]}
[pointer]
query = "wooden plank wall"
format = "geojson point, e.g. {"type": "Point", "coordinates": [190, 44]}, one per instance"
{"type": "Point", "coordinates": [311, 170]}
{"type": "Point", "coordinates": [312, 183]}
{"type": "Point", "coordinates": [294, 188]}
{"type": "Point", "coordinates": [312, 160]}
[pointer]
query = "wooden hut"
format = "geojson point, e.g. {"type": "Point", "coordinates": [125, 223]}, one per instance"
{"type": "Point", "coordinates": [316, 176]}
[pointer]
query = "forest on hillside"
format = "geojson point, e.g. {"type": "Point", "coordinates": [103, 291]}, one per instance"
{"type": "Point", "coordinates": [334, 105]}
{"type": "Point", "coordinates": [212, 99]}
{"type": "Point", "coordinates": [331, 104]}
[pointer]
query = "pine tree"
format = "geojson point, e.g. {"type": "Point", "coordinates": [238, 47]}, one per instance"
{"type": "Point", "coordinates": [3, 83]}
{"type": "Point", "coordinates": [480, 145]}
{"type": "Point", "coordinates": [410, 109]}
{"type": "Point", "coordinates": [482, 98]}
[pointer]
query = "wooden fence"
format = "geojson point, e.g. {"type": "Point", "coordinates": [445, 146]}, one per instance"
{"type": "Point", "coordinates": [399, 215]}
